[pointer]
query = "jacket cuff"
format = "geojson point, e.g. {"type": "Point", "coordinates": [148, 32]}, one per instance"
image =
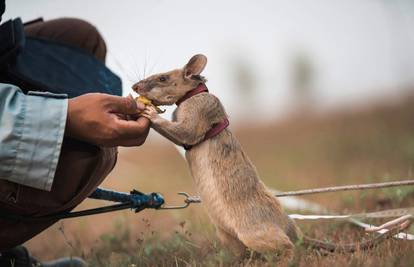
{"type": "Point", "coordinates": [41, 139]}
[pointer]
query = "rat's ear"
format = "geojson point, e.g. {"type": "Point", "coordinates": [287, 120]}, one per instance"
{"type": "Point", "coordinates": [195, 66]}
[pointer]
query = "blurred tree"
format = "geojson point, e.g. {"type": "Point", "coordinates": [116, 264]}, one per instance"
{"type": "Point", "coordinates": [397, 15]}
{"type": "Point", "coordinates": [302, 81]}
{"type": "Point", "coordinates": [245, 84]}
{"type": "Point", "coordinates": [243, 76]}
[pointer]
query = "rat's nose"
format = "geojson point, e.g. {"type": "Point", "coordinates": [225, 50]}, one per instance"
{"type": "Point", "coordinates": [136, 87]}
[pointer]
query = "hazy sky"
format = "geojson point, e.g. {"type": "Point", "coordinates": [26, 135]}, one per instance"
{"type": "Point", "coordinates": [358, 49]}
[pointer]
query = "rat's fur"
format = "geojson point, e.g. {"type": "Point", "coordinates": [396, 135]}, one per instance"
{"type": "Point", "coordinates": [244, 211]}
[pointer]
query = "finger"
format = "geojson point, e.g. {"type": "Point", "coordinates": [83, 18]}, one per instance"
{"type": "Point", "coordinates": [124, 105]}
{"type": "Point", "coordinates": [146, 113]}
{"type": "Point", "coordinates": [133, 129]}
{"type": "Point", "coordinates": [140, 106]}
{"type": "Point", "coordinates": [151, 108]}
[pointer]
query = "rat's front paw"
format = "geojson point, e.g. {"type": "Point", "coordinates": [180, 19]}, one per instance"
{"type": "Point", "coordinates": [151, 113]}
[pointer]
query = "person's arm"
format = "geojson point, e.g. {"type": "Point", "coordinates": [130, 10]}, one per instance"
{"type": "Point", "coordinates": [31, 133]}
{"type": "Point", "coordinates": [33, 127]}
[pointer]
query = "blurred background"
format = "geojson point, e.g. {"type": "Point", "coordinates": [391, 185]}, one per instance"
{"type": "Point", "coordinates": [319, 93]}
{"type": "Point", "coordinates": [272, 56]}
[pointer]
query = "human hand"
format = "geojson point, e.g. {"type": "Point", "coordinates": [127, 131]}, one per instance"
{"type": "Point", "coordinates": [101, 119]}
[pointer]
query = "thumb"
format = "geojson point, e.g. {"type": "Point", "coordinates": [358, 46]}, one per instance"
{"type": "Point", "coordinates": [124, 105]}
{"type": "Point", "coordinates": [140, 105]}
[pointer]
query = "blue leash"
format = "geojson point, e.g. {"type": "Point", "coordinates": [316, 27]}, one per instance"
{"type": "Point", "coordinates": [140, 200]}
{"type": "Point", "coordinates": [135, 200]}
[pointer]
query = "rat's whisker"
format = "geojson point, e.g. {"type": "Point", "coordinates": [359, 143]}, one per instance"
{"type": "Point", "coordinates": [145, 64]}
{"type": "Point", "coordinates": [121, 66]}
{"type": "Point", "coordinates": [134, 68]}
{"type": "Point", "coordinates": [138, 70]}
{"type": "Point", "coordinates": [152, 67]}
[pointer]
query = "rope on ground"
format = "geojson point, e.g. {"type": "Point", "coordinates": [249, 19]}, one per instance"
{"type": "Point", "coordinates": [345, 188]}
{"type": "Point", "coordinates": [297, 203]}
{"type": "Point", "coordinates": [390, 213]}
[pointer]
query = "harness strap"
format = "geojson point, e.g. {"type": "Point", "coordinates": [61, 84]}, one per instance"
{"type": "Point", "coordinates": [201, 88]}
{"type": "Point", "coordinates": [216, 128]}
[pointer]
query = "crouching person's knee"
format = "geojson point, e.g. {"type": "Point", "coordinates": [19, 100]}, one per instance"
{"type": "Point", "coordinates": [81, 168]}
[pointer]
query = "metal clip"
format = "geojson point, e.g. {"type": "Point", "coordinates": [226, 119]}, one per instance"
{"type": "Point", "coordinates": [187, 201]}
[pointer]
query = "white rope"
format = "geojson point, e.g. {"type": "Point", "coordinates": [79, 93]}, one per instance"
{"type": "Point", "coordinates": [404, 222]}
{"type": "Point", "coordinates": [405, 236]}
{"type": "Point", "coordinates": [406, 214]}
{"type": "Point", "coordinates": [391, 213]}
{"type": "Point", "coordinates": [296, 203]}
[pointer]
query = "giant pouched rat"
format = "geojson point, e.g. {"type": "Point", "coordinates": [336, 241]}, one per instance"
{"type": "Point", "coordinates": [244, 211]}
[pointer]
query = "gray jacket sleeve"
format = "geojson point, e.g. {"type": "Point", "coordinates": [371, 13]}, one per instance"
{"type": "Point", "coordinates": [31, 133]}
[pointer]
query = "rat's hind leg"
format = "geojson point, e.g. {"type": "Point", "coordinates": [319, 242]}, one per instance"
{"type": "Point", "coordinates": [231, 242]}
{"type": "Point", "coordinates": [268, 238]}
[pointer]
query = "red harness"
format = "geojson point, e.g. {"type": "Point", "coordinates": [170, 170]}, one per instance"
{"type": "Point", "coordinates": [216, 128]}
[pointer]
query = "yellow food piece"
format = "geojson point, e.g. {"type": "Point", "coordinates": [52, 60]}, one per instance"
{"type": "Point", "coordinates": [148, 102]}
{"type": "Point", "coordinates": [144, 100]}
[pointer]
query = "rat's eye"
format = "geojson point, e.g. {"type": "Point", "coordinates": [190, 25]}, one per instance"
{"type": "Point", "coordinates": [163, 79]}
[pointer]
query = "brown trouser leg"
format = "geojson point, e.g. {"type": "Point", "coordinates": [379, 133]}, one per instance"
{"type": "Point", "coordinates": [81, 167]}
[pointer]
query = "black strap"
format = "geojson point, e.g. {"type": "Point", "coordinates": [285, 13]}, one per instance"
{"type": "Point", "coordinates": [2, 7]}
